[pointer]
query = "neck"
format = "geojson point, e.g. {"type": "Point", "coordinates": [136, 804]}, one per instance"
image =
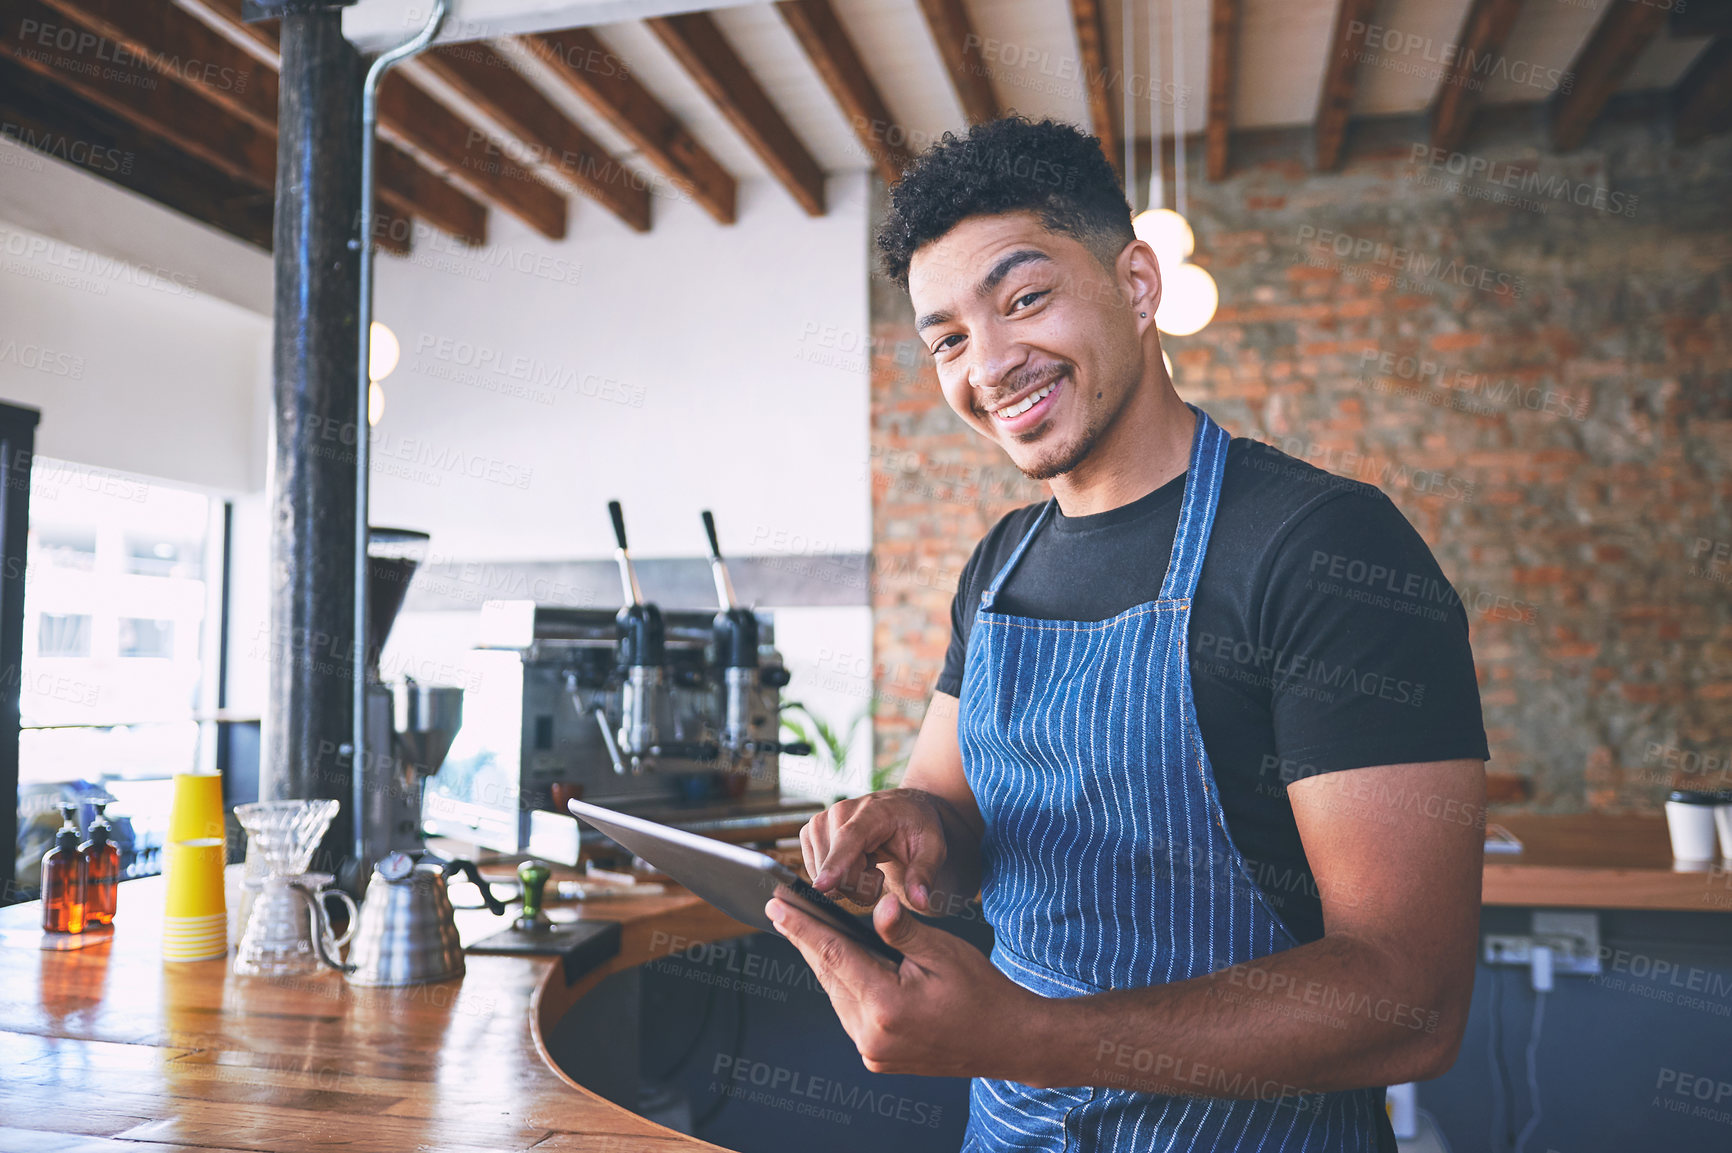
{"type": "Point", "coordinates": [1147, 446]}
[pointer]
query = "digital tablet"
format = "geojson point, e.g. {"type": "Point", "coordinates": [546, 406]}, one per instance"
{"type": "Point", "coordinates": [735, 879]}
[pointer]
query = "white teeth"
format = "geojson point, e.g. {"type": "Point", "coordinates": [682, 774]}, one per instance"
{"type": "Point", "coordinates": [1024, 404]}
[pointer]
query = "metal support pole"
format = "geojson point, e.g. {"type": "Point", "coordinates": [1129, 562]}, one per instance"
{"type": "Point", "coordinates": [364, 297]}
{"type": "Point", "coordinates": [316, 439]}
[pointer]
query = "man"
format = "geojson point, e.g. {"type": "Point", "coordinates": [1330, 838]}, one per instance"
{"type": "Point", "coordinates": [1208, 739]}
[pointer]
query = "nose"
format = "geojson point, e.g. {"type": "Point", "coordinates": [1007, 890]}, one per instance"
{"type": "Point", "coordinates": [993, 357]}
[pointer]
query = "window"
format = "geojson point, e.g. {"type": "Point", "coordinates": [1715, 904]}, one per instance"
{"type": "Point", "coordinates": [63, 635]}
{"type": "Point", "coordinates": [67, 549]}
{"type": "Point", "coordinates": [115, 596]}
{"type": "Point", "coordinates": [165, 558]}
{"type": "Point", "coordinates": [146, 638]}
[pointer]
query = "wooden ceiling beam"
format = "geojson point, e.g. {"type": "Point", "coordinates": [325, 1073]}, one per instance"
{"type": "Point", "coordinates": [1091, 41]}
{"type": "Point", "coordinates": [410, 117]}
{"type": "Point", "coordinates": [488, 80]}
{"type": "Point", "coordinates": [439, 139]}
{"type": "Point", "coordinates": [585, 65]}
{"type": "Point", "coordinates": [68, 128]}
{"type": "Point", "coordinates": [698, 44]}
{"type": "Point", "coordinates": [1483, 35]}
{"type": "Point", "coordinates": [169, 44]}
{"type": "Point", "coordinates": [419, 191]}
{"type": "Point", "coordinates": [190, 124]}
{"type": "Point", "coordinates": [1622, 33]}
{"type": "Point", "coordinates": [1340, 81]}
{"type": "Point", "coordinates": [832, 52]}
{"type": "Point", "coordinates": [1224, 22]}
{"type": "Point", "coordinates": [1702, 98]}
{"type": "Point", "coordinates": [959, 49]}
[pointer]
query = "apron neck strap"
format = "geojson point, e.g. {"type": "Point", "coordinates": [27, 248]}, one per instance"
{"type": "Point", "coordinates": [1196, 515]}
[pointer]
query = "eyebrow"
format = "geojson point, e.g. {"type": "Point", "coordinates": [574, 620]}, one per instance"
{"type": "Point", "coordinates": [994, 277]}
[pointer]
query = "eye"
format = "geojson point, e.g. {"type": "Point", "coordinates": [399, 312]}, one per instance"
{"type": "Point", "coordinates": [1027, 299]}
{"type": "Point", "coordinates": [944, 343]}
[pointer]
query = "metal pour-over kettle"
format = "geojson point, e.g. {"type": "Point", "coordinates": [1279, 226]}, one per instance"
{"type": "Point", "coordinates": [407, 931]}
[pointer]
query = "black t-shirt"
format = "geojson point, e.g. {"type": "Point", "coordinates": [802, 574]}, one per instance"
{"type": "Point", "coordinates": [1323, 636]}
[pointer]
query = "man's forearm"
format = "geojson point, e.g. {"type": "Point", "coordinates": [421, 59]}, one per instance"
{"type": "Point", "coordinates": [1315, 1018]}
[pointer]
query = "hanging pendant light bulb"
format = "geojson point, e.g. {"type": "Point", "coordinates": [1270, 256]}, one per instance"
{"type": "Point", "coordinates": [383, 352]}
{"type": "Point", "coordinates": [1168, 234]}
{"type": "Point", "coordinates": [1188, 300]}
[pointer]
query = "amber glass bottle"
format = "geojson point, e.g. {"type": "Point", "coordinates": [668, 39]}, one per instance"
{"type": "Point", "coordinates": [63, 879]}
{"type": "Point", "coordinates": [101, 871]}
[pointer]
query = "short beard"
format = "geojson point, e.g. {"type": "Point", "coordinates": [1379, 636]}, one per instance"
{"type": "Point", "coordinates": [1078, 451]}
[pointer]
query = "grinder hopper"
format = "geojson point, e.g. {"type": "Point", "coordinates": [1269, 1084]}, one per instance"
{"type": "Point", "coordinates": [410, 726]}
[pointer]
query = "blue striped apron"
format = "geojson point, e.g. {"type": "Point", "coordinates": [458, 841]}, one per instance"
{"type": "Point", "coordinates": [1107, 863]}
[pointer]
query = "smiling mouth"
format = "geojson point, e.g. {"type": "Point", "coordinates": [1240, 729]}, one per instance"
{"type": "Point", "coordinates": [1026, 412]}
{"type": "Point", "coordinates": [1011, 411]}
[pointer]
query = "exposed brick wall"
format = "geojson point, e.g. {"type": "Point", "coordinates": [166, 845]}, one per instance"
{"type": "Point", "coordinates": [1542, 384]}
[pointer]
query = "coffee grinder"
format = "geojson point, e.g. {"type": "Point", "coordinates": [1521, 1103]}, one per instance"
{"type": "Point", "coordinates": [410, 725]}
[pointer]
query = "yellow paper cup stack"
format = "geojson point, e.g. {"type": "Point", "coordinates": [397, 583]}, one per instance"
{"type": "Point", "coordinates": [195, 924]}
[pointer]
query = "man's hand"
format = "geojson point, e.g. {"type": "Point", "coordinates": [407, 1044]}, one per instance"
{"type": "Point", "coordinates": [945, 1012]}
{"type": "Point", "coordinates": [903, 832]}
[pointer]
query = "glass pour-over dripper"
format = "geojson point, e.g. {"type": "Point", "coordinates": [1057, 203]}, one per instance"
{"type": "Point", "coordinates": [282, 914]}
{"type": "Point", "coordinates": [282, 835]}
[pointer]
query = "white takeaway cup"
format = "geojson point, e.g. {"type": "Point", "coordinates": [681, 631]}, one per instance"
{"type": "Point", "coordinates": [1690, 820]}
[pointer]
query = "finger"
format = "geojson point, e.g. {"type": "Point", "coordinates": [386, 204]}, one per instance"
{"type": "Point", "coordinates": [823, 830]}
{"type": "Point", "coordinates": [808, 844]}
{"type": "Point", "coordinates": [857, 836]}
{"type": "Point", "coordinates": [843, 967]}
{"type": "Point", "coordinates": [925, 857]}
{"type": "Point", "coordinates": [906, 933]}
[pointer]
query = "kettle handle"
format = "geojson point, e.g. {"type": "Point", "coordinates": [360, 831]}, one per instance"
{"type": "Point", "coordinates": [354, 913]}
{"type": "Point", "coordinates": [468, 869]}
{"type": "Point", "coordinates": [322, 926]}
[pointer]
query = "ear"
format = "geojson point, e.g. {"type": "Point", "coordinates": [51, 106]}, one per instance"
{"type": "Point", "coordinates": [1139, 276]}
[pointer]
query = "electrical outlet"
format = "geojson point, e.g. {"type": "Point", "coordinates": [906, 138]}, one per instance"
{"type": "Point", "coordinates": [1574, 939]}
{"type": "Point", "coordinates": [1503, 949]}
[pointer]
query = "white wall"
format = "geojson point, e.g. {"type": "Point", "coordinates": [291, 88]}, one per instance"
{"type": "Point", "coordinates": [132, 369]}
{"type": "Point", "coordinates": [700, 365]}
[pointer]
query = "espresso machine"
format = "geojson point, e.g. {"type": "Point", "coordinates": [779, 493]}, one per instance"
{"type": "Point", "coordinates": [410, 725]}
{"type": "Point", "coordinates": [673, 715]}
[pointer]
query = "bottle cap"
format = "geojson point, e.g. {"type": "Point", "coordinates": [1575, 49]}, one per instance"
{"type": "Point", "coordinates": [67, 838]}
{"type": "Point", "coordinates": [100, 830]}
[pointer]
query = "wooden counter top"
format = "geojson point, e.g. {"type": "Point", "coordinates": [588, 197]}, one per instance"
{"type": "Point", "coordinates": [1592, 861]}
{"type": "Point", "coordinates": [107, 1048]}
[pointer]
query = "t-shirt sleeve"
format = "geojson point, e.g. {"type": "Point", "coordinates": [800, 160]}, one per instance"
{"type": "Point", "coordinates": [1364, 644]}
{"type": "Point", "coordinates": [962, 606]}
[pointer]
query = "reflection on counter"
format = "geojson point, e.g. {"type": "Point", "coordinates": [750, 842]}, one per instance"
{"type": "Point", "coordinates": [735, 1042]}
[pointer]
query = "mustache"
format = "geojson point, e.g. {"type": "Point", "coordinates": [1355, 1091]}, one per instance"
{"type": "Point", "coordinates": [1024, 380]}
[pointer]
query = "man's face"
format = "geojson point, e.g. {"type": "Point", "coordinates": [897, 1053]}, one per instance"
{"type": "Point", "coordinates": [1037, 346]}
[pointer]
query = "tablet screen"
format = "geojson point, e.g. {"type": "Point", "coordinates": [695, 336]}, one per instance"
{"type": "Point", "coordinates": [736, 880]}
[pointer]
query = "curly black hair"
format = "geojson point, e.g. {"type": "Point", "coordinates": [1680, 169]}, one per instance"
{"type": "Point", "coordinates": [1007, 165]}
